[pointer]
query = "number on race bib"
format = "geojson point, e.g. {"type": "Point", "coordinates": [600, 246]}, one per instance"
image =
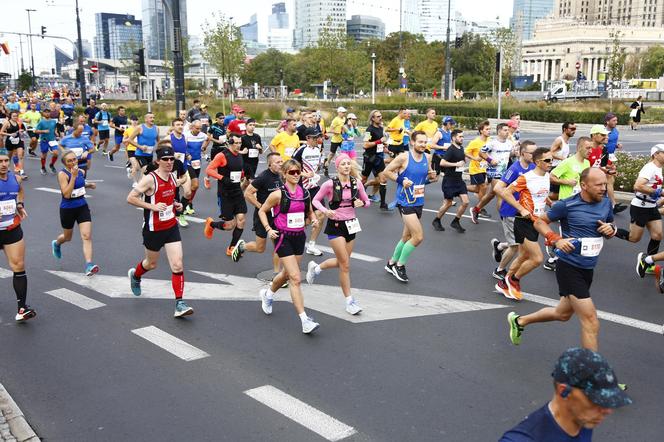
{"type": "Point", "coordinates": [166, 214]}
{"type": "Point", "coordinates": [539, 208]}
{"type": "Point", "coordinates": [76, 193]}
{"type": "Point", "coordinates": [196, 164]}
{"type": "Point", "coordinates": [353, 226]}
{"type": "Point", "coordinates": [295, 220]}
{"type": "Point", "coordinates": [236, 176]}
{"type": "Point", "coordinates": [418, 191]}
{"type": "Point", "coordinates": [53, 143]}
{"type": "Point", "coordinates": [379, 148]}
{"type": "Point", "coordinates": [147, 149]}
{"type": "Point", "coordinates": [591, 246]}
{"type": "Point", "coordinates": [179, 156]}
{"type": "Point", "coordinates": [253, 153]}
{"type": "Point", "coordinates": [8, 207]}
{"type": "Point", "coordinates": [14, 140]}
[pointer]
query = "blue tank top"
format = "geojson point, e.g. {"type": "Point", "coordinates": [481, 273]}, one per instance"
{"type": "Point", "coordinates": [147, 137]}
{"type": "Point", "coordinates": [9, 189]}
{"type": "Point", "coordinates": [446, 138]}
{"type": "Point", "coordinates": [179, 144]}
{"type": "Point", "coordinates": [79, 190]}
{"type": "Point", "coordinates": [417, 173]}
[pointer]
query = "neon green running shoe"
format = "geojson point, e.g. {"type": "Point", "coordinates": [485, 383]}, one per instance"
{"type": "Point", "coordinates": [515, 328]}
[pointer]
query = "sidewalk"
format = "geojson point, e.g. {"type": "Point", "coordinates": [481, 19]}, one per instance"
{"type": "Point", "coordinates": [13, 425]}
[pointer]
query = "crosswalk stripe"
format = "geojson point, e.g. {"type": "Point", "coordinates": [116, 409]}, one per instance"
{"type": "Point", "coordinates": [76, 299]}
{"type": "Point", "coordinates": [170, 343]}
{"type": "Point", "coordinates": [302, 413]}
{"type": "Point", "coordinates": [355, 255]}
{"type": "Point", "coordinates": [51, 190]}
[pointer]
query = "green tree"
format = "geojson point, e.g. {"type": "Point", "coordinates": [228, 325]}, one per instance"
{"type": "Point", "coordinates": [476, 56]}
{"type": "Point", "coordinates": [506, 39]}
{"type": "Point", "coordinates": [616, 65]}
{"type": "Point", "coordinates": [266, 68]}
{"type": "Point", "coordinates": [224, 49]}
{"type": "Point", "coordinates": [24, 81]}
{"type": "Point", "coordinates": [652, 63]}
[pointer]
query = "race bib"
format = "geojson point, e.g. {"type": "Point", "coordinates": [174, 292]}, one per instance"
{"type": "Point", "coordinates": [379, 148]}
{"type": "Point", "coordinates": [78, 192]}
{"type": "Point", "coordinates": [78, 151]}
{"type": "Point", "coordinates": [353, 226]}
{"type": "Point", "coordinates": [179, 156]}
{"type": "Point", "coordinates": [236, 176]}
{"type": "Point", "coordinates": [14, 140]}
{"type": "Point", "coordinates": [253, 153]}
{"type": "Point", "coordinates": [613, 158]}
{"type": "Point", "coordinates": [53, 143]}
{"type": "Point", "coordinates": [123, 127]}
{"type": "Point", "coordinates": [196, 164]}
{"type": "Point", "coordinates": [446, 145]}
{"type": "Point", "coordinates": [289, 151]}
{"type": "Point", "coordinates": [459, 169]}
{"type": "Point", "coordinates": [8, 207]}
{"type": "Point", "coordinates": [147, 149]}
{"type": "Point", "coordinates": [295, 220]}
{"type": "Point", "coordinates": [483, 164]}
{"type": "Point", "coordinates": [166, 214]}
{"type": "Point", "coordinates": [418, 191]}
{"type": "Point", "coordinates": [538, 210]}
{"type": "Point", "coordinates": [243, 127]}
{"type": "Point", "coordinates": [591, 246]}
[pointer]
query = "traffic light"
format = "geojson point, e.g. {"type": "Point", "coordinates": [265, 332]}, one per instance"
{"type": "Point", "coordinates": [139, 61]}
{"type": "Point", "coordinates": [498, 61]}
{"type": "Point", "coordinates": [43, 31]}
{"type": "Point", "coordinates": [458, 42]}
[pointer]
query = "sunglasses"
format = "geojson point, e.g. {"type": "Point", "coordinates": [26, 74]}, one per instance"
{"type": "Point", "coordinates": [167, 159]}
{"type": "Point", "coordinates": [547, 160]}
{"type": "Point", "coordinates": [294, 172]}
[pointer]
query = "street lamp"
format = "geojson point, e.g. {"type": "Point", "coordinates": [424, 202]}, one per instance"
{"type": "Point", "coordinates": [373, 78]}
{"type": "Point", "coordinates": [32, 58]}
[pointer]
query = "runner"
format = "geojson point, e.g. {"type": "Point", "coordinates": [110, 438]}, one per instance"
{"type": "Point", "coordinates": [533, 190]}
{"type": "Point", "coordinates": [336, 127]}
{"type": "Point", "coordinates": [31, 118]}
{"type": "Point", "coordinates": [119, 124]}
{"type": "Point", "coordinates": [344, 193]}
{"type": "Point", "coordinates": [102, 119]}
{"type": "Point", "coordinates": [429, 126]}
{"type": "Point", "coordinates": [613, 145]}
{"type": "Point", "coordinates": [503, 252]}
{"type": "Point", "coordinates": [560, 152]}
{"type": "Point", "coordinates": [91, 112]}
{"type": "Point", "coordinates": [238, 125]}
{"type": "Point", "coordinates": [586, 219]}
{"type": "Point", "coordinates": [349, 133]}
{"type": "Point", "coordinates": [80, 145]}
{"type": "Point", "coordinates": [197, 142]}
{"type": "Point", "coordinates": [496, 153]}
{"type": "Point", "coordinates": [292, 207]}
{"type": "Point", "coordinates": [252, 147]}
{"type": "Point", "coordinates": [204, 117]}
{"type": "Point", "coordinates": [74, 209]}
{"type": "Point", "coordinates": [217, 135]}
{"type": "Point", "coordinates": [193, 111]}
{"type": "Point", "coordinates": [477, 165]}
{"type": "Point", "coordinates": [452, 164]}
{"type": "Point", "coordinates": [133, 167]}
{"type": "Point", "coordinates": [599, 158]}
{"type": "Point", "coordinates": [13, 130]}
{"type": "Point", "coordinates": [373, 157]}
{"type": "Point", "coordinates": [227, 167]}
{"type": "Point", "coordinates": [396, 131]}
{"type": "Point", "coordinates": [68, 110]}
{"type": "Point", "coordinates": [160, 229]}
{"type": "Point", "coordinates": [144, 138]}
{"type": "Point", "coordinates": [441, 141]}
{"type": "Point", "coordinates": [285, 143]}
{"type": "Point", "coordinates": [411, 171]}
{"type": "Point", "coordinates": [47, 142]}
{"type": "Point", "coordinates": [178, 142]}
{"type": "Point", "coordinates": [12, 212]}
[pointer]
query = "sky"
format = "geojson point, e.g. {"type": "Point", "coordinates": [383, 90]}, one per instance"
{"type": "Point", "coordinates": [59, 18]}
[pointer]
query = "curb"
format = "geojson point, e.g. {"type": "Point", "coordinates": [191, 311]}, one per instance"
{"type": "Point", "coordinates": [19, 428]}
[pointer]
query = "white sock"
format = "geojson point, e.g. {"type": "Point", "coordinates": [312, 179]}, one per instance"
{"type": "Point", "coordinates": [312, 243]}
{"type": "Point", "coordinates": [498, 269]}
{"type": "Point", "coordinates": [270, 293]}
{"type": "Point", "coordinates": [303, 316]}
{"type": "Point", "coordinates": [349, 300]}
{"type": "Point", "coordinates": [502, 246]}
{"type": "Point", "coordinates": [317, 270]}
{"type": "Point", "coordinates": [649, 260]}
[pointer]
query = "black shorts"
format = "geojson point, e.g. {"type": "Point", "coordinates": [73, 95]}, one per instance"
{"type": "Point", "coordinates": [554, 188]}
{"type": "Point", "coordinates": [69, 217]}
{"type": "Point", "coordinates": [478, 179]}
{"type": "Point", "coordinates": [643, 215]}
{"type": "Point", "coordinates": [334, 229]}
{"type": "Point", "coordinates": [10, 236]}
{"type": "Point", "coordinates": [259, 230]}
{"type": "Point", "coordinates": [131, 153]}
{"type": "Point", "coordinates": [249, 168]}
{"type": "Point", "coordinates": [193, 173]}
{"type": "Point", "coordinates": [372, 164]}
{"type": "Point", "coordinates": [143, 160]}
{"type": "Point", "coordinates": [396, 149]}
{"type": "Point", "coordinates": [573, 280]}
{"type": "Point", "coordinates": [409, 210]}
{"type": "Point", "coordinates": [524, 229]}
{"type": "Point", "coordinates": [104, 134]}
{"type": "Point", "coordinates": [69, 121]}
{"type": "Point", "coordinates": [31, 134]}
{"type": "Point", "coordinates": [334, 147]}
{"type": "Point", "coordinates": [453, 187]}
{"type": "Point", "coordinates": [155, 240]}
{"type": "Point", "coordinates": [289, 243]}
{"type": "Point", "coordinates": [232, 205]}
{"type": "Point", "coordinates": [9, 146]}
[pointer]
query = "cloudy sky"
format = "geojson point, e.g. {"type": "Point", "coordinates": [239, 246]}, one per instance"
{"type": "Point", "coordinates": [59, 18]}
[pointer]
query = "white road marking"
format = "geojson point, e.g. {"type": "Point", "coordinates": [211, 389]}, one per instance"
{"type": "Point", "coordinates": [94, 181]}
{"type": "Point", "coordinates": [75, 298]}
{"type": "Point", "coordinates": [114, 167]}
{"type": "Point", "coordinates": [193, 219]}
{"type": "Point", "coordinates": [170, 343]}
{"type": "Point", "coordinates": [355, 255]}
{"type": "Point", "coordinates": [51, 190]}
{"type": "Point", "coordinates": [302, 413]}
{"type": "Point", "coordinates": [453, 213]}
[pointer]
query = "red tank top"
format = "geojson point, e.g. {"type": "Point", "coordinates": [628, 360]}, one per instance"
{"type": "Point", "coordinates": [164, 192]}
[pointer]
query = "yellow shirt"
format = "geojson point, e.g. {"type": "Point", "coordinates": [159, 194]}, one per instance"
{"type": "Point", "coordinates": [127, 133]}
{"type": "Point", "coordinates": [335, 127]}
{"type": "Point", "coordinates": [397, 137]}
{"type": "Point", "coordinates": [473, 149]}
{"type": "Point", "coordinates": [31, 119]}
{"type": "Point", "coordinates": [285, 144]}
{"type": "Point", "coordinates": [428, 128]}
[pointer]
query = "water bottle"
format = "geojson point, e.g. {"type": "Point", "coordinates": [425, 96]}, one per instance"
{"type": "Point", "coordinates": [577, 246]}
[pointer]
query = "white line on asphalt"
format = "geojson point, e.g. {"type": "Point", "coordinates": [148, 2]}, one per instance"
{"type": "Point", "coordinates": [94, 181]}
{"type": "Point", "coordinates": [75, 298]}
{"type": "Point", "coordinates": [170, 343]}
{"type": "Point", "coordinates": [193, 219]}
{"type": "Point", "coordinates": [114, 167]}
{"type": "Point", "coordinates": [463, 216]}
{"type": "Point", "coordinates": [359, 256]}
{"type": "Point", "coordinates": [612, 317]}
{"type": "Point", "coordinates": [51, 190]}
{"type": "Point", "coordinates": [305, 415]}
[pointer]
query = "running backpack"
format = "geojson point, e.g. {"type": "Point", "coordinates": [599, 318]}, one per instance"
{"type": "Point", "coordinates": [284, 203]}
{"type": "Point", "coordinates": [337, 192]}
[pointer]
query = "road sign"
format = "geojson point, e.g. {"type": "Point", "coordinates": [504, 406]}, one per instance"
{"type": "Point", "coordinates": [578, 65]}
{"type": "Point", "coordinates": [94, 68]}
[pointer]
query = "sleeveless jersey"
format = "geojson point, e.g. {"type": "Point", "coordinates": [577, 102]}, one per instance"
{"type": "Point", "coordinates": [164, 192]}
{"type": "Point", "coordinates": [148, 137]}
{"type": "Point", "coordinates": [9, 189]}
{"type": "Point", "coordinates": [294, 220]}
{"type": "Point", "coordinates": [232, 173]}
{"type": "Point", "coordinates": [564, 151]}
{"type": "Point", "coordinates": [194, 148]}
{"type": "Point", "coordinates": [179, 147]}
{"type": "Point", "coordinates": [417, 173]}
{"type": "Point", "coordinates": [77, 198]}
{"type": "Point", "coordinates": [13, 140]}
{"type": "Point", "coordinates": [445, 139]}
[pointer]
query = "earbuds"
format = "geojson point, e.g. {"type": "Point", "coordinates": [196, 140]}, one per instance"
{"type": "Point", "coordinates": [566, 392]}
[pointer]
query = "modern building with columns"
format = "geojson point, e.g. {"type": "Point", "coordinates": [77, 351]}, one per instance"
{"type": "Point", "coordinates": [559, 43]}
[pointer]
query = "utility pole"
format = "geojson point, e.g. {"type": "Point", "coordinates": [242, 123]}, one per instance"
{"type": "Point", "coordinates": [81, 72]}
{"type": "Point", "coordinates": [20, 42]}
{"type": "Point", "coordinates": [178, 57]}
{"type": "Point", "coordinates": [32, 58]}
{"type": "Point", "coordinates": [500, 79]}
{"type": "Point", "coordinates": [447, 53]}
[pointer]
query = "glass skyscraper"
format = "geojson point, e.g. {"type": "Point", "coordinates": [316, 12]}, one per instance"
{"type": "Point", "coordinates": [526, 12]}
{"type": "Point", "coordinates": [158, 28]}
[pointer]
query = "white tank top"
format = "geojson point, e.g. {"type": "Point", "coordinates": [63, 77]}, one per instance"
{"type": "Point", "coordinates": [564, 151]}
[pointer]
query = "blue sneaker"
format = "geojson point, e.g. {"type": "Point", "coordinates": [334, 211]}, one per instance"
{"type": "Point", "coordinates": [374, 198]}
{"type": "Point", "coordinates": [134, 282]}
{"type": "Point", "coordinates": [182, 309]}
{"type": "Point", "coordinates": [55, 248]}
{"type": "Point", "coordinates": [91, 269]}
{"type": "Point", "coordinates": [392, 205]}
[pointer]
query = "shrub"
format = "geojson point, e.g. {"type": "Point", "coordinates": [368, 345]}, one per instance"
{"type": "Point", "coordinates": [628, 170]}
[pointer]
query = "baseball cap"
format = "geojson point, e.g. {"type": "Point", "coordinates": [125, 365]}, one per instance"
{"type": "Point", "coordinates": [598, 129]}
{"type": "Point", "coordinates": [4, 151]}
{"type": "Point", "coordinates": [289, 110]}
{"type": "Point", "coordinates": [513, 124]}
{"type": "Point", "coordinates": [341, 109]}
{"type": "Point", "coordinates": [609, 116]}
{"type": "Point", "coordinates": [165, 152]}
{"type": "Point", "coordinates": [203, 106]}
{"type": "Point", "coordinates": [449, 120]}
{"type": "Point", "coordinates": [656, 148]}
{"type": "Point", "coordinates": [589, 371]}
{"type": "Point", "coordinates": [133, 117]}
{"type": "Point", "coordinates": [311, 132]}
{"type": "Point", "coordinates": [352, 116]}
{"type": "Point", "coordinates": [219, 115]}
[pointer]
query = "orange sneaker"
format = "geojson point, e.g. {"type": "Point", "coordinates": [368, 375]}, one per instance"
{"type": "Point", "coordinates": [514, 287]}
{"type": "Point", "coordinates": [208, 231]}
{"type": "Point", "coordinates": [229, 251]}
{"type": "Point", "coordinates": [206, 183]}
{"type": "Point", "coordinates": [502, 288]}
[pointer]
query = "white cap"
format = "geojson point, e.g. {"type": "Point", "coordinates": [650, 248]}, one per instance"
{"type": "Point", "coordinates": [341, 109]}
{"type": "Point", "coordinates": [352, 116]}
{"type": "Point", "coordinates": [656, 148]}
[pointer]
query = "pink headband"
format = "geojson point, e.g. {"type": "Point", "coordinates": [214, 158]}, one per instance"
{"type": "Point", "coordinates": [339, 159]}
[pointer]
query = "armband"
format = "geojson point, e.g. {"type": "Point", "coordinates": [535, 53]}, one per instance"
{"type": "Point", "coordinates": [551, 238]}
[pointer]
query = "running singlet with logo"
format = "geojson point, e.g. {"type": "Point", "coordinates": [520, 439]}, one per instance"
{"type": "Point", "coordinates": [512, 174]}
{"type": "Point", "coordinates": [653, 174]}
{"type": "Point", "coordinates": [9, 189]}
{"type": "Point", "coordinates": [77, 198]}
{"type": "Point", "coordinates": [295, 220]}
{"type": "Point", "coordinates": [148, 139]}
{"type": "Point", "coordinates": [179, 147]}
{"type": "Point", "coordinates": [310, 158]}
{"type": "Point", "coordinates": [417, 173]}
{"type": "Point", "coordinates": [444, 141]}
{"type": "Point", "coordinates": [499, 151]}
{"type": "Point", "coordinates": [164, 192]}
{"type": "Point", "coordinates": [533, 192]}
{"type": "Point", "coordinates": [194, 148]}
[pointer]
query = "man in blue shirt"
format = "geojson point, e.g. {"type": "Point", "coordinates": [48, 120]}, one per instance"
{"type": "Point", "coordinates": [81, 145]}
{"type": "Point", "coordinates": [586, 391]}
{"type": "Point", "coordinates": [102, 120]}
{"type": "Point", "coordinates": [585, 220]}
{"type": "Point", "coordinates": [46, 130]}
{"type": "Point", "coordinates": [612, 144]}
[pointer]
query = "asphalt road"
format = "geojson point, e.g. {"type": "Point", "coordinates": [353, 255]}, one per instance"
{"type": "Point", "coordinates": [82, 375]}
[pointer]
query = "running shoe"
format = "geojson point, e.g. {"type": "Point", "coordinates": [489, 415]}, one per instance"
{"type": "Point", "coordinates": [182, 309]}
{"type": "Point", "coordinates": [229, 251]}
{"type": "Point", "coordinates": [497, 253]}
{"type": "Point", "coordinates": [389, 268]}
{"type": "Point", "coordinates": [375, 198]}
{"type": "Point", "coordinates": [659, 278]}
{"type": "Point", "coordinates": [502, 288]}
{"type": "Point", "coordinates": [43, 171]}
{"type": "Point", "coordinates": [238, 250]}
{"type": "Point", "coordinates": [641, 265]}
{"type": "Point", "coordinates": [311, 272]}
{"type": "Point", "coordinates": [309, 325]}
{"type": "Point", "coordinates": [499, 274]}
{"type": "Point", "coordinates": [189, 210]}
{"type": "Point", "coordinates": [25, 313]}
{"type": "Point", "coordinates": [619, 207]}
{"type": "Point", "coordinates": [32, 153]}
{"type": "Point", "coordinates": [550, 264]}
{"type": "Point", "coordinates": [474, 215]}
{"type": "Point", "coordinates": [456, 225]}
{"type": "Point", "coordinates": [266, 303]}
{"type": "Point", "coordinates": [128, 171]}
{"type": "Point", "coordinates": [110, 156]}
{"type": "Point", "coordinates": [353, 308]}
{"type": "Point", "coordinates": [52, 167]}
{"type": "Point", "coordinates": [182, 220]}
{"type": "Point", "coordinates": [208, 230]}
{"type": "Point", "coordinates": [484, 214]}
{"type": "Point", "coordinates": [437, 226]}
{"type": "Point", "coordinates": [56, 249]}
{"type": "Point", "coordinates": [650, 270]}
{"type": "Point", "coordinates": [134, 283]}
{"type": "Point", "coordinates": [515, 329]}
{"type": "Point", "coordinates": [91, 269]}
{"type": "Point", "coordinates": [312, 249]}
{"type": "Point", "coordinates": [391, 206]}
{"type": "Point", "coordinates": [206, 183]}
{"type": "Point", "coordinates": [514, 287]}
{"type": "Point", "coordinates": [400, 273]}
{"type": "Point", "coordinates": [384, 207]}
{"type": "Point", "coordinates": [550, 251]}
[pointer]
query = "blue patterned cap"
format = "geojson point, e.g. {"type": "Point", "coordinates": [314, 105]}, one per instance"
{"type": "Point", "coordinates": [4, 151]}
{"type": "Point", "coordinates": [449, 120]}
{"type": "Point", "coordinates": [590, 372]}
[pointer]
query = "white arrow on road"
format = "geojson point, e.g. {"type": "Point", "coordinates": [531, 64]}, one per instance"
{"type": "Point", "coordinates": [377, 305]}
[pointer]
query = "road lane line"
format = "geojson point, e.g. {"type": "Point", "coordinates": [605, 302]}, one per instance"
{"type": "Point", "coordinates": [75, 298]}
{"type": "Point", "coordinates": [452, 212]}
{"type": "Point", "coordinates": [193, 219]}
{"type": "Point", "coordinates": [114, 167]}
{"type": "Point", "coordinates": [305, 415]}
{"type": "Point", "coordinates": [359, 256]}
{"type": "Point", "coordinates": [170, 343]}
{"type": "Point", "coordinates": [51, 190]}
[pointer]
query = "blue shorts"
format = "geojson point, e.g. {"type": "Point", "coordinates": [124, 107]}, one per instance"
{"type": "Point", "coordinates": [118, 140]}
{"type": "Point", "coordinates": [44, 147]}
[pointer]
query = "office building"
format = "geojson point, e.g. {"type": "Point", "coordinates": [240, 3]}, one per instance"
{"type": "Point", "coordinates": [525, 14]}
{"type": "Point", "coordinates": [645, 13]}
{"type": "Point", "coordinates": [249, 30]}
{"type": "Point", "coordinates": [313, 16]}
{"type": "Point", "coordinates": [365, 27]}
{"type": "Point", "coordinates": [61, 59]}
{"type": "Point", "coordinates": [280, 35]}
{"type": "Point", "coordinates": [433, 19]}
{"type": "Point", "coordinates": [158, 28]}
{"type": "Point", "coordinates": [86, 46]}
{"type": "Point", "coordinates": [118, 35]}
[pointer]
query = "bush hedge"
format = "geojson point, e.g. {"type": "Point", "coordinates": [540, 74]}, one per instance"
{"type": "Point", "coordinates": [628, 170]}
